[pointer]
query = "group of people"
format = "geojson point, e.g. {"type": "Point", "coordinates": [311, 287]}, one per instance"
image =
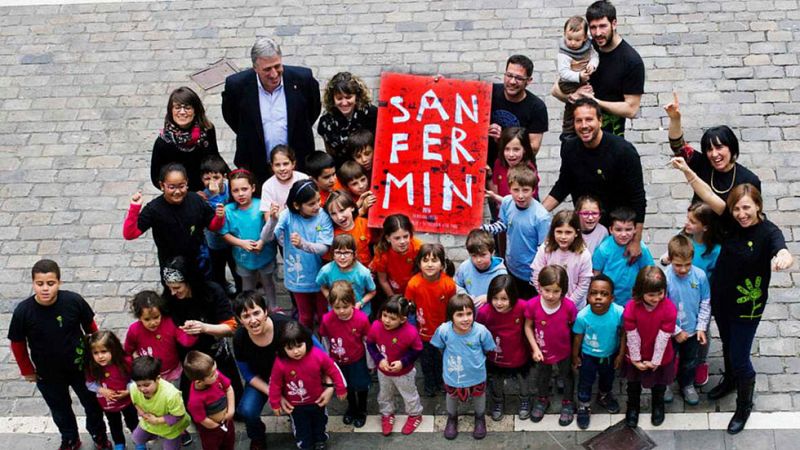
{"type": "Point", "coordinates": [575, 295]}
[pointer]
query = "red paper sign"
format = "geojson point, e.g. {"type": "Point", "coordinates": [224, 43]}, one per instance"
{"type": "Point", "coordinates": [430, 152]}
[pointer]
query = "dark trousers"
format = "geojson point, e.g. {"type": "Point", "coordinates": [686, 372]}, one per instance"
{"type": "Point", "coordinates": [688, 352]}
{"type": "Point", "coordinates": [431, 362]}
{"type": "Point", "coordinates": [56, 395]}
{"type": "Point", "coordinates": [217, 438]}
{"type": "Point", "coordinates": [525, 289]}
{"type": "Point", "coordinates": [115, 422]}
{"type": "Point", "coordinates": [591, 368]}
{"type": "Point", "coordinates": [250, 407]}
{"type": "Point", "coordinates": [543, 373]}
{"type": "Point", "coordinates": [219, 258]}
{"type": "Point", "coordinates": [737, 342]}
{"type": "Point", "coordinates": [308, 423]}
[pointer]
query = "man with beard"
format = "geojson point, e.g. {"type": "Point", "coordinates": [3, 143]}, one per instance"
{"type": "Point", "coordinates": [603, 165]}
{"type": "Point", "coordinates": [618, 83]}
{"type": "Point", "coordinates": [515, 106]}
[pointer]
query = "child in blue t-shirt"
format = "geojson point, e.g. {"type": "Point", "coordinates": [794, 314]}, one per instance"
{"type": "Point", "coordinates": [688, 288]}
{"type": "Point", "coordinates": [526, 223]}
{"type": "Point", "coordinates": [595, 350]}
{"type": "Point", "coordinates": [255, 258]}
{"type": "Point", "coordinates": [609, 257]}
{"type": "Point", "coordinates": [305, 233]}
{"type": "Point", "coordinates": [474, 274]}
{"type": "Point", "coordinates": [346, 267]}
{"type": "Point", "coordinates": [214, 171]}
{"type": "Point", "coordinates": [465, 344]}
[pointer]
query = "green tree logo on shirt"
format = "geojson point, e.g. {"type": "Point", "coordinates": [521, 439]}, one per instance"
{"type": "Point", "coordinates": [751, 293]}
{"type": "Point", "coordinates": [60, 321]}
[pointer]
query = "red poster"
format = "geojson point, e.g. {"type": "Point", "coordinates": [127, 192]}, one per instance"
{"type": "Point", "coordinates": [430, 152]}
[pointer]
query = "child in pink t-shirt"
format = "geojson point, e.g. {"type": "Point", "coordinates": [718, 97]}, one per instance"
{"type": "Point", "coordinates": [394, 345]}
{"type": "Point", "coordinates": [649, 322]}
{"type": "Point", "coordinates": [211, 402]}
{"type": "Point", "coordinates": [156, 335]}
{"type": "Point", "coordinates": [504, 316]}
{"type": "Point", "coordinates": [548, 325]}
{"type": "Point", "coordinates": [344, 327]}
{"type": "Point", "coordinates": [297, 375]}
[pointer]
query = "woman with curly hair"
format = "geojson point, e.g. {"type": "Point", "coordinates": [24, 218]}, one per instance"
{"type": "Point", "coordinates": [348, 108]}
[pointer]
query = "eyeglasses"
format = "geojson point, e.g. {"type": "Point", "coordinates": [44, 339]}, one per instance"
{"type": "Point", "coordinates": [517, 77]}
{"type": "Point", "coordinates": [340, 253]}
{"type": "Point", "coordinates": [176, 187]}
{"type": "Point", "coordinates": [588, 214]}
{"type": "Point", "coordinates": [187, 108]}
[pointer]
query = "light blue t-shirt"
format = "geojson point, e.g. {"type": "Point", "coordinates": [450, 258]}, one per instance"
{"type": "Point", "coordinates": [705, 263]}
{"type": "Point", "coordinates": [600, 333]}
{"type": "Point", "coordinates": [526, 230]}
{"type": "Point", "coordinates": [464, 359]}
{"type": "Point", "coordinates": [475, 283]}
{"type": "Point", "coordinates": [687, 293]}
{"type": "Point", "coordinates": [213, 239]}
{"type": "Point", "coordinates": [300, 268]}
{"type": "Point", "coordinates": [247, 224]}
{"type": "Point", "coordinates": [609, 259]}
{"type": "Point", "coordinates": [359, 277]}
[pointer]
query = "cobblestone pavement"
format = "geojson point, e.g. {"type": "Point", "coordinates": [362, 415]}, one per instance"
{"type": "Point", "coordinates": [83, 90]}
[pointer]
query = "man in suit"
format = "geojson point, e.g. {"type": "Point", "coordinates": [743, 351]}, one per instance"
{"type": "Point", "coordinates": [268, 105]}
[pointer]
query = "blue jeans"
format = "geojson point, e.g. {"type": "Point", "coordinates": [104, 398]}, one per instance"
{"type": "Point", "coordinates": [591, 367]}
{"type": "Point", "coordinates": [737, 342]}
{"type": "Point", "coordinates": [56, 395]}
{"type": "Point", "coordinates": [689, 352]}
{"type": "Point", "coordinates": [250, 407]}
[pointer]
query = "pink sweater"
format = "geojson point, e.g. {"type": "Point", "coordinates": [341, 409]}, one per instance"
{"type": "Point", "coordinates": [161, 343]}
{"type": "Point", "coordinates": [300, 381]}
{"type": "Point", "coordinates": [578, 266]}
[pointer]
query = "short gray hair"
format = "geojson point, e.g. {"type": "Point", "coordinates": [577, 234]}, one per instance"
{"type": "Point", "coordinates": [265, 48]}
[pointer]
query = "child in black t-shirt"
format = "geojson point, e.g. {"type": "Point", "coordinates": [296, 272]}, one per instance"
{"type": "Point", "coordinates": [52, 324]}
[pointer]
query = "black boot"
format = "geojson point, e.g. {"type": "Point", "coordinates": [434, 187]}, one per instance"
{"type": "Point", "coordinates": [634, 403]}
{"type": "Point", "coordinates": [657, 413]}
{"type": "Point", "coordinates": [744, 404]}
{"type": "Point", "coordinates": [361, 412]}
{"type": "Point", "coordinates": [726, 384]}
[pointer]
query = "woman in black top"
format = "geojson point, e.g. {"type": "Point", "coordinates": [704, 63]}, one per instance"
{"type": "Point", "coordinates": [348, 108]}
{"type": "Point", "coordinates": [201, 307]}
{"type": "Point", "coordinates": [255, 346]}
{"type": "Point", "coordinates": [187, 138]}
{"type": "Point", "coordinates": [740, 286]}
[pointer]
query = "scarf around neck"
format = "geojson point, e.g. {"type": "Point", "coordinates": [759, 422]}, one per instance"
{"type": "Point", "coordinates": [185, 140]}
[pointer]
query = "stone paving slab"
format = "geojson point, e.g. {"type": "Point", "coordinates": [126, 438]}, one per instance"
{"type": "Point", "coordinates": [83, 89]}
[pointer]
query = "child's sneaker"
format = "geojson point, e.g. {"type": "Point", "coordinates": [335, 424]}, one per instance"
{"type": "Point", "coordinates": [70, 445]}
{"type": "Point", "coordinates": [102, 443]}
{"type": "Point", "coordinates": [701, 375]}
{"type": "Point", "coordinates": [411, 424]}
{"type": "Point", "coordinates": [539, 408]}
{"type": "Point", "coordinates": [119, 446]}
{"type": "Point", "coordinates": [567, 413]}
{"type": "Point", "coordinates": [584, 416]}
{"type": "Point", "coordinates": [387, 424]}
{"type": "Point", "coordinates": [607, 401]}
{"type": "Point", "coordinates": [668, 396]}
{"type": "Point", "coordinates": [497, 412]}
{"type": "Point", "coordinates": [186, 439]}
{"type": "Point", "coordinates": [524, 409]}
{"type": "Point", "coordinates": [360, 420]}
{"type": "Point", "coordinates": [690, 395]}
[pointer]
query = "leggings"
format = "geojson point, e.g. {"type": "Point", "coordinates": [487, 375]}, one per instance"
{"type": "Point", "coordinates": [141, 436]}
{"type": "Point", "coordinates": [250, 279]}
{"type": "Point", "coordinates": [115, 422]}
{"type": "Point", "coordinates": [478, 400]}
{"type": "Point", "coordinates": [310, 304]}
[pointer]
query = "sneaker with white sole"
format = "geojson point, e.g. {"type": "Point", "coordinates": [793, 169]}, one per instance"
{"type": "Point", "coordinates": [497, 412]}
{"type": "Point", "coordinates": [524, 409]}
{"type": "Point", "coordinates": [690, 395]}
{"type": "Point", "coordinates": [668, 396]}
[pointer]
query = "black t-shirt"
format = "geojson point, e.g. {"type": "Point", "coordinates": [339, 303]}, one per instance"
{"type": "Point", "coordinates": [740, 286]}
{"type": "Point", "coordinates": [53, 333]}
{"type": "Point", "coordinates": [177, 229]}
{"type": "Point", "coordinates": [619, 73]}
{"type": "Point", "coordinates": [723, 182]}
{"type": "Point", "coordinates": [612, 173]}
{"type": "Point", "coordinates": [530, 113]}
{"type": "Point", "coordinates": [259, 359]}
{"type": "Point", "coordinates": [208, 304]}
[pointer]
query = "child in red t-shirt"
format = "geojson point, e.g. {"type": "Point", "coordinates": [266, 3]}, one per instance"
{"type": "Point", "coordinates": [548, 324]}
{"type": "Point", "coordinates": [649, 322]}
{"type": "Point", "coordinates": [430, 290]}
{"type": "Point", "coordinates": [211, 403]}
{"type": "Point", "coordinates": [345, 329]}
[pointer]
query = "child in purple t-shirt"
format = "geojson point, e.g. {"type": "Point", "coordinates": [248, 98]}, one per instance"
{"type": "Point", "coordinates": [344, 327]}
{"type": "Point", "coordinates": [548, 324]}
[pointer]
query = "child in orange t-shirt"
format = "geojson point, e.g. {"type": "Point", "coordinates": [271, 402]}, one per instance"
{"type": "Point", "coordinates": [397, 248]}
{"type": "Point", "coordinates": [343, 211]}
{"type": "Point", "coordinates": [430, 290]}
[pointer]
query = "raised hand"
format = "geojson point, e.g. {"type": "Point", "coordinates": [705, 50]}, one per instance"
{"type": "Point", "coordinates": [673, 109]}
{"type": "Point", "coordinates": [136, 198]}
